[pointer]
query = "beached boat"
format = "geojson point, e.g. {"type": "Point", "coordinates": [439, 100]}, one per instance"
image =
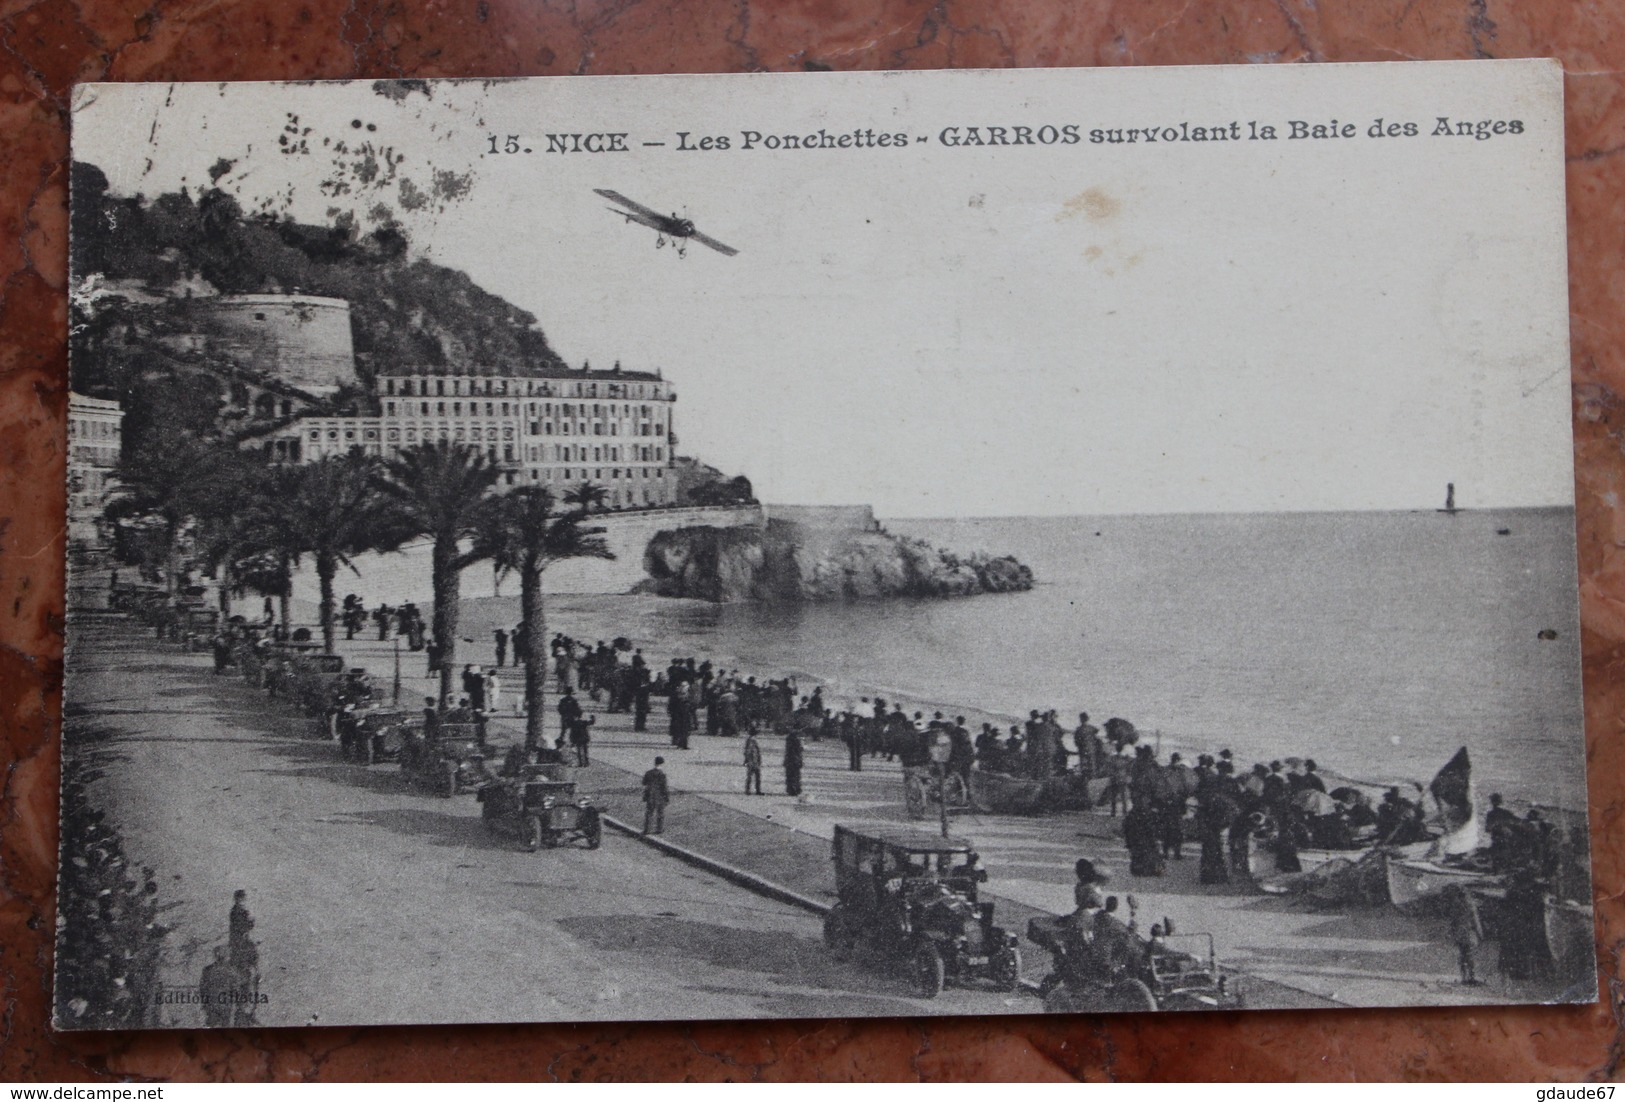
{"type": "Point", "coordinates": [1004, 794]}
{"type": "Point", "coordinates": [1417, 885]}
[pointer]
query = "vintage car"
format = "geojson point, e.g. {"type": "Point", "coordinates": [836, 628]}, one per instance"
{"type": "Point", "coordinates": [321, 684]}
{"type": "Point", "coordinates": [377, 734]}
{"type": "Point", "coordinates": [198, 625]}
{"type": "Point", "coordinates": [1100, 972]}
{"type": "Point", "coordinates": [912, 898]}
{"type": "Point", "coordinates": [452, 759]}
{"type": "Point", "coordinates": [541, 810]}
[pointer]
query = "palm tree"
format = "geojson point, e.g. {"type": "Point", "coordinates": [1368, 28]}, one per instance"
{"type": "Point", "coordinates": [272, 547]}
{"type": "Point", "coordinates": [522, 532]}
{"type": "Point", "coordinates": [227, 536]}
{"type": "Point", "coordinates": [165, 487]}
{"type": "Point", "coordinates": [332, 514]}
{"type": "Point", "coordinates": [587, 497]}
{"type": "Point", "coordinates": [439, 490]}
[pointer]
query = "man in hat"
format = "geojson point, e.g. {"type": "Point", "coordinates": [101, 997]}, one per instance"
{"type": "Point", "coordinates": [1500, 824]}
{"type": "Point", "coordinates": [1086, 892]}
{"type": "Point", "coordinates": [753, 762]}
{"type": "Point", "coordinates": [656, 795]}
{"type": "Point", "coordinates": [569, 711]}
{"type": "Point", "coordinates": [793, 760]}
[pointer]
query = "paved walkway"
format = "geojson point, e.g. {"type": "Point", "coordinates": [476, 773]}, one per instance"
{"type": "Point", "coordinates": [1292, 953]}
{"type": "Point", "coordinates": [377, 902]}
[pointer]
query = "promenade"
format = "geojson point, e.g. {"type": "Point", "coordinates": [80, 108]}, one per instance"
{"type": "Point", "coordinates": [376, 902]}
{"type": "Point", "coordinates": [1288, 953]}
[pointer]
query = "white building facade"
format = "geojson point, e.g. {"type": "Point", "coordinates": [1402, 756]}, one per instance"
{"type": "Point", "coordinates": [555, 428]}
{"type": "Point", "coordinates": [95, 426]}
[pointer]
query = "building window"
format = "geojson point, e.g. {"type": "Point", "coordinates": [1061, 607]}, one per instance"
{"type": "Point", "coordinates": [389, 386]}
{"type": "Point", "coordinates": [391, 408]}
{"type": "Point", "coordinates": [442, 410]}
{"type": "Point", "coordinates": [456, 409]}
{"type": "Point", "coordinates": [489, 411]}
{"type": "Point", "coordinates": [259, 317]}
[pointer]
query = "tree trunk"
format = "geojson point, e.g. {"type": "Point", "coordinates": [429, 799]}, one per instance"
{"type": "Point", "coordinates": [326, 568]}
{"type": "Point", "coordinates": [530, 609]}
{"type": "Point", "coordinates": [447, 580]}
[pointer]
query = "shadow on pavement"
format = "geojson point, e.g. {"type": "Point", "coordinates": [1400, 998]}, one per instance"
{"type": "Point", "coordinates": [453, 828]}
{"type": "Point", "coordinates": [778, 956]}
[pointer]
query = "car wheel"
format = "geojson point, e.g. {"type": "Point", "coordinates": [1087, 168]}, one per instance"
{"type": "Point", "coordinates": [533, 833]}
{"type": "Point", "coordinates": [593, 832]}
{"type": "Point", "coordinates": [1005, 968]}
{"type": "Point", "coordinates": [838, 933]}
{"type": "Point", "coordinates": [448, 782]}
{"type": "Point", "coordinates": [925, 970]}
{"type": "Point", "coordinates": [1130, 997]}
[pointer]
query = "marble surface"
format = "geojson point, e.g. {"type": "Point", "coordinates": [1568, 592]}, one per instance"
{"type": "Point", "coordinates": [47, 45]}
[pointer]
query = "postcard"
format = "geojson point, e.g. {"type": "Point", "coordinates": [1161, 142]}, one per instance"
{"type": "Point", "coordinates": [821, 545]}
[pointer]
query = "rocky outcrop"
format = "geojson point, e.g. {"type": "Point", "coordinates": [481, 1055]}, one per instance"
{"type": "Point", "coordinates": [783, 562]}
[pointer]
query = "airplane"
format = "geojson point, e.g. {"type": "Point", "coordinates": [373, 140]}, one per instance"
{"type": "Point", "coordinates": [680, 230]}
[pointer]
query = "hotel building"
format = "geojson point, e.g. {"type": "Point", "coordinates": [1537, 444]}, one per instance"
{"type": "Point", "coordinates": [549, 427]}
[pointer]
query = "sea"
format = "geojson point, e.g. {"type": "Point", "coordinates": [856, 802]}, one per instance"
{"type": "Point", "coordinates": [1376, 643]}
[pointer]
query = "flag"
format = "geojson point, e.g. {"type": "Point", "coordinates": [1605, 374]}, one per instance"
{"type": "Point", "coordinates": [1452, 790]}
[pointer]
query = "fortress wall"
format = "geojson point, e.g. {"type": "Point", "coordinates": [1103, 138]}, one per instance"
{"type": "Point", "coordinates": [303, 340]}
{"type": "Point", "coordinates": [404, 575]}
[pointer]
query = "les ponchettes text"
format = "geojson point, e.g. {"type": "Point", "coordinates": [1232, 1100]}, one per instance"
{"type": "Point", "coordinates": [1046, 134]}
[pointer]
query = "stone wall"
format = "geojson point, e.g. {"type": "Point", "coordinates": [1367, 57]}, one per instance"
{"type": "Point", "coordinates": [303, 340]}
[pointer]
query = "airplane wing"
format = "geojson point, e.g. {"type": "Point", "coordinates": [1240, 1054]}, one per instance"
{"type": "Point", "coordinates": [637, 208]}
{"type": "Point", "coordinates": [638, 218]}
{"type": "Point", "coordinates": [713, 243]}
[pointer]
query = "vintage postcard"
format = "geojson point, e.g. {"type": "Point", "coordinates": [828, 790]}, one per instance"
{"type": "Point", "coordinates": [821, 545]}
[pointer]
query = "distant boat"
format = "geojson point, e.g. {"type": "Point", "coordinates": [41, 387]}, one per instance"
{"type": "Point", "coordinates": [1450, 499]}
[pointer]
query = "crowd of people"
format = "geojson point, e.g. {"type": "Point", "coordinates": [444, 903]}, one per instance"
{"type": "Point", "coordinates": [107, 914]}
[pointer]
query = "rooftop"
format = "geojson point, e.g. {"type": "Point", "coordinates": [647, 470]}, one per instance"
{"type": "Point", "coordinates": [527, 371]}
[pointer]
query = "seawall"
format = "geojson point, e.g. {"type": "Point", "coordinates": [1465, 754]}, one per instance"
{"type": "Point", "coordinates": [403, 576]}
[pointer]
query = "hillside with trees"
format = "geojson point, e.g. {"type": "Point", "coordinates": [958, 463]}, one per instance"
{"type": "Point", "coordinates": [404, 310]}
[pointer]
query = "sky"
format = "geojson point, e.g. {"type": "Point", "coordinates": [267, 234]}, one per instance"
{"type": "Point", "coordinates": [942, 330]}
